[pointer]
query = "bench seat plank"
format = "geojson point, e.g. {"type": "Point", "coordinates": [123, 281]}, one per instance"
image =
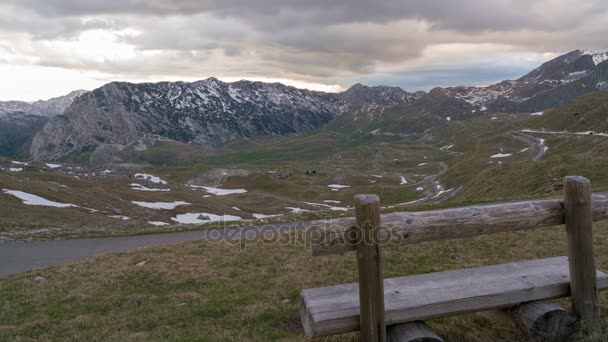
{"type": "Point", "coordinates": [335, 309]}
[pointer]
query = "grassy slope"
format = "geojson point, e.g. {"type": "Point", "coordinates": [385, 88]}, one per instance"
{"type": "Point", "coordinates": [584, 113]}
{"type": "Point", "coordinates": [221, 292]}
{"type": "Point", "coordinates": [518, 177]}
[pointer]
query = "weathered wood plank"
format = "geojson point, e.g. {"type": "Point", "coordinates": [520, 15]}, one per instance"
{"type": "Point", "coordinates": [579, 228]}
{"type": "Point", "coordinates": [337, 236]}
{"type": "Point", "coordinates": [335, 309]}
{"type": "Point", "coordinates": [412, 332]}
{"type": "Point", "coordinates": [370, 266]}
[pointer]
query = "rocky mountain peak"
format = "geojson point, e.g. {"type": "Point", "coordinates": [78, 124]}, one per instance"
{"type": "Point", "coordinates": [360, 94]}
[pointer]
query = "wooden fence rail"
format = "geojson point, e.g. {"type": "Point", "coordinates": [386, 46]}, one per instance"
{"type": "Point", "coordinates": [338, 236]}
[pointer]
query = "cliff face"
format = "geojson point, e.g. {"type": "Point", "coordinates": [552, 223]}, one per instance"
{"type": "Point", "coordinates": [208, 113]}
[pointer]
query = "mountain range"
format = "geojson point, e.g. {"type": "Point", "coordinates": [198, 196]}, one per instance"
{"type": "Point", "coordinates": [211, 113]}
{"type": "Point", "coordinates": [50, 107]}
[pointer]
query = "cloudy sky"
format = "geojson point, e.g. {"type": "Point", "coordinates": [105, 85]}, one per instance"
{"type": "Point", "coordinates": [50, 47]}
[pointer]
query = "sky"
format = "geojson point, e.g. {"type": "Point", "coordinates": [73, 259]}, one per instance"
{"type": "Point", "coordinates": [51, 47]}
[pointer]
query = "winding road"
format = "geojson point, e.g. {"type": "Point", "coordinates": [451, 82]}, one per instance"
{"type": "Point", "coordinates": [532, 142]}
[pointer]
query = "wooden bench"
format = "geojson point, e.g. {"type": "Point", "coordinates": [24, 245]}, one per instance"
{"type": "Point", "coordinates": [335, 309]}
{"type": "Point", "coordinates": [374, 302]}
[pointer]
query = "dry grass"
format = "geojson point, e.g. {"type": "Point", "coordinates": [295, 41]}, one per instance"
{"type": "Point", "coordinates": [221, 292]}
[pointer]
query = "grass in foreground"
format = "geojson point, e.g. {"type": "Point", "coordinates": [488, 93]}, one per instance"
{"type": "Point", "coordinates": [222, 292]}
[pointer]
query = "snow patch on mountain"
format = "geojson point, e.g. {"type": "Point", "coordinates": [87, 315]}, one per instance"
{"type": "Point", "coordinates": [598, 57]}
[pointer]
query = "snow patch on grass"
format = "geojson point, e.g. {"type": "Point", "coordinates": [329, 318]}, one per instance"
{"type": "Point", "coordinates": [30, 199]}
{"type": "Point", "coordinates": [338, 186]}
{"type": "Point", "coordinates": [149, 178]}
{"type": "Point", "coordinates": [332, 208]}
{"type": "Point", "coordinates": [139, 187]}
{"type": "Point", "coordinates": [158, 223]}
{"type": "Point", "coordinates": [296, 210]}
{"type": "Point", "coordinates": [263, 216]}
{"type": "Point", "coordinates": [218, 191]}
{"type": "Point", "coordinates": [160, 205]}
{"type": "Point", "coordinates": [200, 218]}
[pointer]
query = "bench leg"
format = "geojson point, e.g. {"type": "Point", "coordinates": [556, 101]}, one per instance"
{"type": "Point", "coordinates": [412, 332]}
{"type": "Point", "coordinates": [579, 228]}
{"type": "Point", "coordinates": [546, 321]}
{"type": "Point", "coordinates": [540, 320]}
{"type": "Point", "coordinates": [369, 259]}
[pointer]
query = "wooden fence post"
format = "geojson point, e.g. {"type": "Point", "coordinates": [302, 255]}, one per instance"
{"type": "Point", "coordinates": [370, 264]}
{"type": "Point", "coordinates": [579, 227]}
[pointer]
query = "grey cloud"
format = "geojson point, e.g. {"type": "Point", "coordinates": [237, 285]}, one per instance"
{"type": "Point", "coordinates": [313, 40]}
{"type": "Point", "coordinates": [23, 20]}
{"type": "Point", "coordinates": [467, 15]}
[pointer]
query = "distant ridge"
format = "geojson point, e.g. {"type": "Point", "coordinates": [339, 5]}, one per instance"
{"type": "Point", "coordinates": [211, 113]}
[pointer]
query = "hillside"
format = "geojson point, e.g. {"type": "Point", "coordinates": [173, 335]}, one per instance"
{"type": "Point", "coordinates": [588, 113]}
{"type": "Point", "coordinates": [550, 85]}
{"type": "Point", "coordinates": [16, 132]}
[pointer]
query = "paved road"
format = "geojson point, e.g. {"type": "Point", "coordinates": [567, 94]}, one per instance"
{"type": "Point", "coordinates": [17, 257]}
{"type": "Point", "coordinates": [532, 142]}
